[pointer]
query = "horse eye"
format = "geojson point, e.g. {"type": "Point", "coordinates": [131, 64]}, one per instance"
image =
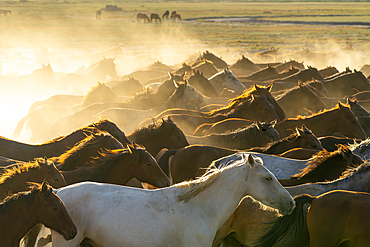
{"type": "Point", "coordinates": [53, 208]}
{"type": "Point", "coordinates": [269, 178]}
{"type": "Point", "coordinates": [55, 179]}
{"type": "Point", "coordinates": [148, 164]}
{"type": "Point", "coordinates": [353, 121]}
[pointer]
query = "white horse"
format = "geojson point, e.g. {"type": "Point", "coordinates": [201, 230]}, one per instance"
{"type": "Point", "coordinates": [281, 167]}
{"type": "Point", "coordinates": [186, 214]}
{"type": "Point", "coordinates": [226, 79]}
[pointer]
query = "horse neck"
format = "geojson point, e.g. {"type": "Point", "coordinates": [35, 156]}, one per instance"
{"type": "Point", "coordinates": [281, 147]}
{"type": "Point", "coordinates": [217, 82]}
{"type": "Point", "coordinates": [151, 140]}
{"type": "Point", "coordinates": [18, 182]}
{"type": "Point", "coordinates": [21, 218]}
{"type": "Point", "coordinates": [76, 176]}
{"type": "Point", "coordinates": [217, 202]}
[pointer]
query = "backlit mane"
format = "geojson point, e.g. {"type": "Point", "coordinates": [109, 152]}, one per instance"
{"type": "Point", "coordinates": [99, 93]}
{"type": "Point", "coordinates": [235, 102]}
{"type": "Point", "coordinates": [350, 172]}
{"type": "Point", "coordinates": [272, 145]}
{"type": "Point", "coordinates": [319, 161]}
{"type": "Point", "coordinates": [144, 94]}
{"type": "Point", "coordinates": [362, 146]}
{"type": "Point", "coordinates": [95, 139]}
{"type": "Point", "coordinates": [152, 128]}
{"type": "Point", "coordinates": [97, 169]}
{"type": "Point", "coordinates": [321, 112]}
{"type": "Point", "coordinates": [27, 196]}
{"type": "Point", "coordinates": [21, 167]}
{"type": "Point", "coordinates": [203, 182]}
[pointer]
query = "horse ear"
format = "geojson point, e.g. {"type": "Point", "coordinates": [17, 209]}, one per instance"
{"type": "Point", "coordinates": [186, 83]}
{"type": "Point", "coordinates": [129, 148]}
{"type": "Point", "coordinates": [273, 123]}
{"type": "Point", "coordinates": [175, 83]}
{"type": "Point", "coordinates": [259, 125]}
{"type": "Point", "coordinates": [269, 87]}
{"type": "Point", "coordinates": [258, 89]}
{"type": "Point", "coordinates": [251, 161]}
{"type": "Point", "coordinates": [341, 106]}
{"type": "Point", "coordinates": [170, 75]}
{"type": "Point", "coordinates": [44, 188]}
{"type": "Point", "coordinates": [183, 75]}
{"type": "Point", "coordinates": [304, 128]}
{"type": "Point", "coordinates": [299, 131]}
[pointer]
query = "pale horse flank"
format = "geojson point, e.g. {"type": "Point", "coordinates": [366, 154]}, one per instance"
{"type": "Point", "coordinates": [226, 79]}
{"type": "Point", "coordinates": [185, 214]}
{"type": "Point", "coordinates": [282, 168]}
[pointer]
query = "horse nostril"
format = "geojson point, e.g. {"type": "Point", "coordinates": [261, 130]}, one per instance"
{"type": "Point", "coordinates": [292, 204]}
{"type": "Point", "coordinates": [73, 233]}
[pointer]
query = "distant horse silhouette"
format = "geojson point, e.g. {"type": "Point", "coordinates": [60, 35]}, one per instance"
{"type": "Point", "coordinates": [155, 16]}
{"type": "Point", "coordinates": [141, 16]}
{"type": "Point", "coordinates": [173, 13]}
{"type": "Point", "coordinates": [98, 14]}
{"type": "Point", "coordinates": [5, 12]}
{"type": "Point", "coordinates": [176, 17]}
{"type": "Point", "coordinates": [166, 14]}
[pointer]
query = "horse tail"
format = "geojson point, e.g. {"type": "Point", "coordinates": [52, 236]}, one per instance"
{"type": "Point", "coordinates": [296, 220]}
{"type": "Point", "coordinates": [163, 161]}
{"type": "Point", "coordinates": [31, 237]}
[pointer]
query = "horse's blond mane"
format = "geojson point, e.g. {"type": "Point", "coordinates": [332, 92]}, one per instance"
{"type": "Point", "coordinates": [320, 112]}
{"type": "Point", "coordinates": [21, 167]}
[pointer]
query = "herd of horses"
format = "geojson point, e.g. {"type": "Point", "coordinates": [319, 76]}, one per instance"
{"type": "Point", "coordinates": [204, 154]}
{"type": "Point", "coordinates": [154, 17]}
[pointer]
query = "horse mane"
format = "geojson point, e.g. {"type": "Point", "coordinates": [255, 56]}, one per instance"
{"type": "Point", "coordinates": [362, 146]}
{"type": "Point", "coordinates": [151, 129]}
{"type": "Point", "coordinates": [241, 134]}
{"type": "Point", "coordinates": [146, 93]}
{"type": "Point", "coordinates": [321, 161]}
{"type": "Point", "coordinates": [321, 112]}
{"type": "Point", "coordinates": [26, 196]}
{"type": "Point", "coordinates": [20, 168]}
{"type": "Point", "coordinates": [101, 90]}
{"type": "Point", "coordinates": [245, 96]}
{"type": "Point", "coordinates": [194, 187]}
{"type": "Point", "coordinates": [95, 139]}
{"type": "Point", "coordinates": [351, 171]}
{"type": "Point", "coordinates": [98, 168]}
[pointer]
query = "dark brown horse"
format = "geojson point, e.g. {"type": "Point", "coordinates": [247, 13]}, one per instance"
{"type": "Point", "coordinates": [256, 135]}
{"type": "Point", "coordinates": [338, 119]}
{"type": "Point", "coordinates": [303, 97]}
{"type": "Point", "coordinates": [159, 135]}
{"type": "Point", "coordinates": [229, 124]}
{"type": "Point", "coordinates": [20, 212]}
{"type": "Point", "coordinates": [141, 16]}
{"type": "Point", "coordinates": [155, 17]}
{"type": "Point", "coordinates": [325, 166]}
{"type": "Point", "coordinates": [200, 82]}
{"type": "Point", "coordinates": [335, 218]}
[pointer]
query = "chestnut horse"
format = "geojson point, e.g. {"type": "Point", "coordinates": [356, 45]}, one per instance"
{"type": "Point", "coordinates": [335, 218]}
{"type": "Point", "coordinates": [118, 167]}
{"type": "Point", "coordinates": [20, 212]}
{"type": "Point", "coordinates": [338, 119]}
{"type": "Point", "coordinates": [159, 135]}
{"type": "Point", "coordinates": [17, 178]}
{"type": "Point", "coordinates": [325, 166]}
